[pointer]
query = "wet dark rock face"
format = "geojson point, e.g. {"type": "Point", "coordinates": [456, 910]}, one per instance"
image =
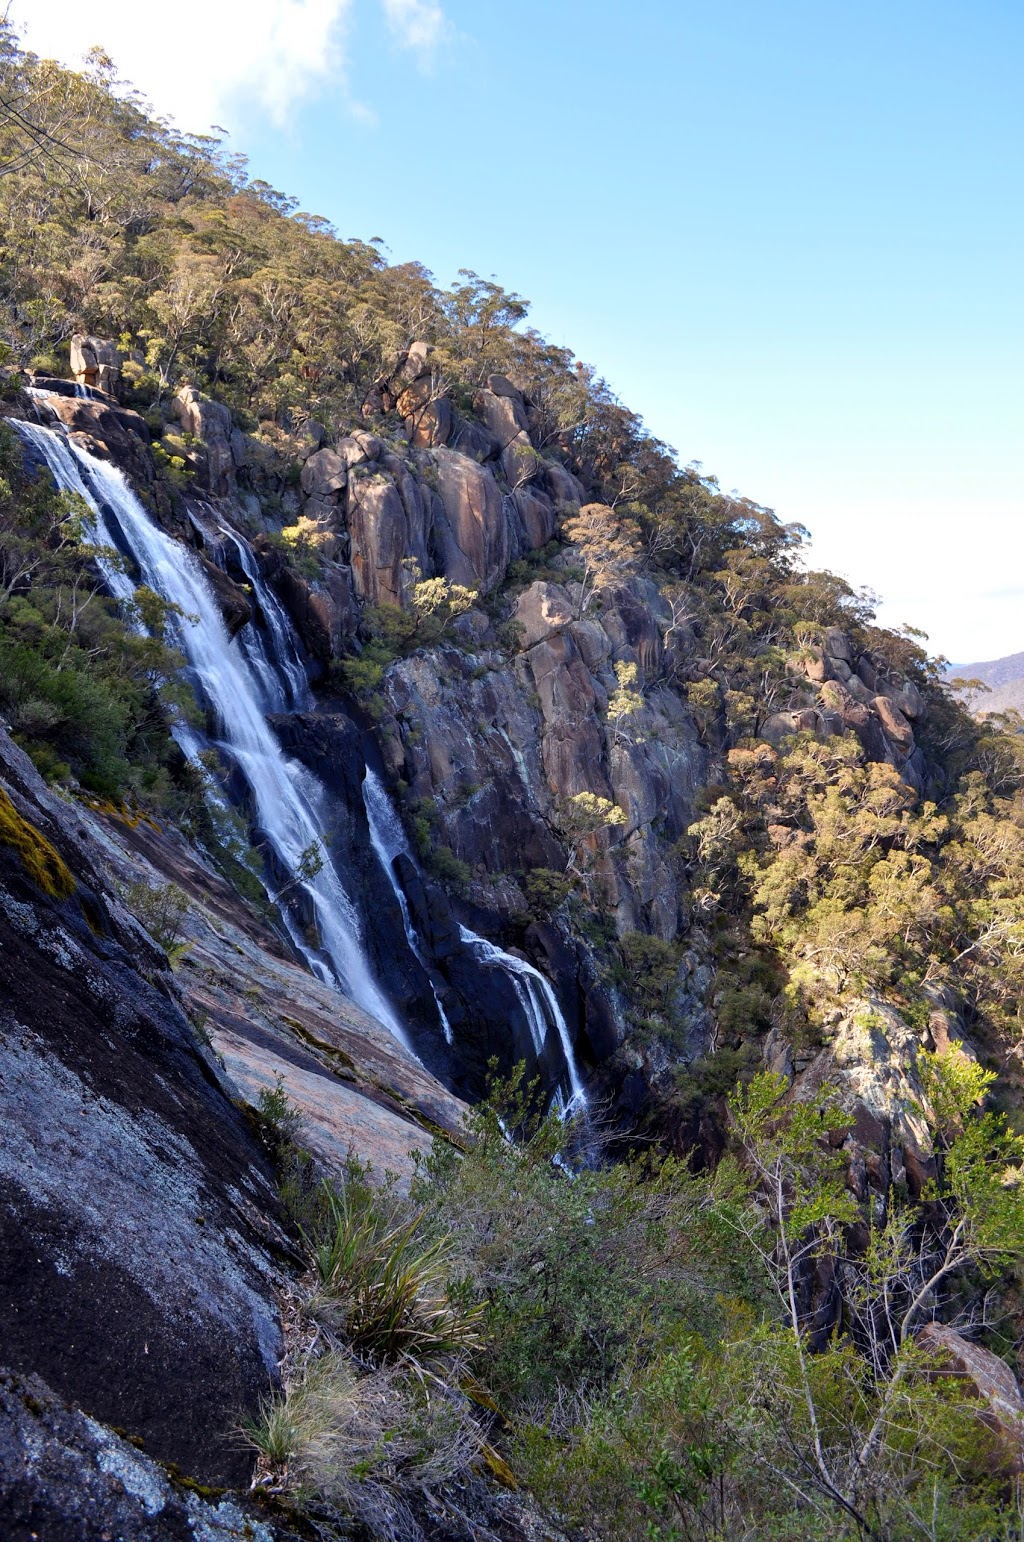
{"type": "Point", "coordinates": [481, 1004]}
{"type": "Point", "coordinates": [138, 1236]}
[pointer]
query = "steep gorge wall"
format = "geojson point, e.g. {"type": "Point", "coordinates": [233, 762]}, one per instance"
{"type": "Point", "coordinates": [495, 730]}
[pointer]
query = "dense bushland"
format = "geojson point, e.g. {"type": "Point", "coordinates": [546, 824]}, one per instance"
{"type": "Point", "coordinates": [638, 1344]}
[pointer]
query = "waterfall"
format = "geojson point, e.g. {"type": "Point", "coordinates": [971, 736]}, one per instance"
{"type": "Point", "coordinates": [288, 800]}
{"type": "Point", "coordinates": [533, 992]}
{"type": "Point", "coordinates": [279, 669]}
{"type": "Point", "coordinates": [388, 840]}
{"type": "Point", "coordinates": [539, 1004]}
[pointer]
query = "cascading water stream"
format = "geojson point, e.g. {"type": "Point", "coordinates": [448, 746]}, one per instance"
{"type": "Point", "coordinates": [540, 1007]}
{"type": "Point", "coordinates": [288, 800]}
{"type": "Point", "coordinates": [240, 680]}
{"type": "Point", "coordinates": [279, 669]}
{"type": "Point", "coordinates": [389, 842]}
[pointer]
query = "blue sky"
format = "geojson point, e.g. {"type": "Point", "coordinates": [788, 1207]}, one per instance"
{"type": "Point", "coordinates": [789, 235]}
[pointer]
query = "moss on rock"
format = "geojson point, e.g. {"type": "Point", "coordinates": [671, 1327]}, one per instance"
{"type": "Point", "coordinates": [43, 863]}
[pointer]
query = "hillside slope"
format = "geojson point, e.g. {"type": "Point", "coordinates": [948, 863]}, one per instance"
{"type": "Point", "coordinates": [386, 712]}
{"type": "Point", "coordinates": [1005, 681]}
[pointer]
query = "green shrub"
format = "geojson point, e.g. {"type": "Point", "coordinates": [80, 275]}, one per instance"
{"type": "Point", "coordinates": [161, 911]}
{"type": "Point", "coordinates": [450, 869]}
{"type": "Point", "coordinates": [546, 891]}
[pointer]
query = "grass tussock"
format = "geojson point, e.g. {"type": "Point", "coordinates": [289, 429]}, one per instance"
{"type": "Point", "coordinates": [390, 1285]}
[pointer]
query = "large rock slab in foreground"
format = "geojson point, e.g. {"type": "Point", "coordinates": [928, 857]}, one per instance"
{"type": "Point", "coordinates": [66, 1478]}
{"type": "Point", "coordinates": [137, 1211]}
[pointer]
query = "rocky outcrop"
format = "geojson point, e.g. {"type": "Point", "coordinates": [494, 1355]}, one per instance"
{"type": "Point", "coordinates": [234, 603]}
{"type": "Point", "coordinates": [498, 747]}
{"type": "Point", "coordinates": [855, 692]}
{"type": "Point", "coordinates": [324, 612]}
{"type": "Point", "coordinates": [354, 1087]}
{"type": "Point", "coordinates": [1000, 1403]}
{"type": "Point", "coordinates": [210, 423]}
{"type": "Point", "coordinates": [95, 362]}
{"type": "Point", "coordinates": [870, 1059]}
{"type": "Point", "coordinates": [105, 429]}
{"type": "Point", "coordinates": [64, 1477]}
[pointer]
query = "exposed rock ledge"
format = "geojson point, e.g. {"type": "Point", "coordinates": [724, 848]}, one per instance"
{"type": "Point", "coordinates": [140, 1246]}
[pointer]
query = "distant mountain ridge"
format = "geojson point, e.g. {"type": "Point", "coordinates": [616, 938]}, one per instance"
{"type": "Point", "coordinates": [1005, 679]}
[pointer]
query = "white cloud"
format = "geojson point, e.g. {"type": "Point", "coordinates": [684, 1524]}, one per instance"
{"type": "Point", "coordinates": [417, 24]}
{"type": "Point", "coordinates": [225, 61]}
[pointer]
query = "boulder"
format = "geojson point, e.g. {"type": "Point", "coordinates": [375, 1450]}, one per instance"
{"type": "Point", "coordinates": [379, 533]}
{"type": "Point", "coordinates": [777, 727]}
{"type": "Point", "coordinates": [324, 475]}
{"type": "Point", "coordinates": [563, 488]}
{"type": "Point", "coordinates": [814, 664]}
{"type": "Point", "coordinates": [594, 644]}
{"type": "Point", "coordinates": [858, 690]}
{"type": "Point", "coordinates": [990, 1380]}
{"type": "Point", "coordinates": [209, 422]}
{"type": "Point", "coordinates": [908, 699]}
{"type": "Point", "coordinates": [414, 366]}
{"type": "Point", "coordinates": [633, 617]}
{"type": "Point", "coordinates": [66, 1478]}
{"type": "Point", "coordinates": [838, 645]}
{"type": "Point", "coordinates": [473, 440]}
{"type": "Point", "coordinates": [520, 462]}
{"type": "Point", "coordinates": [472, 532]}
{"type": "Point", "coordinates": [500, 385]}
{"type": "Point", "coordinates": [428, 425]}
{"type": "Point", "coordinates": [894, 724]}
{"type": "Point", "coordinates": [504, 415]}
{"type": "Point", "coordinates": [541, 609]}
{"type": "Point", "coordinates": [231, 597]}
{"type": "Point", "coordinates": [867, 672]}
{"type": "Point", "coordinates": [358, 448]}
{"type": "Point", "coordinates": [325, 615]}
{"type": "Point", "coordinates": [536, 517]}
{"type": "Point", "coordinates": [837, 699]}
{"type": "Point", "coordinates": [95, 362]}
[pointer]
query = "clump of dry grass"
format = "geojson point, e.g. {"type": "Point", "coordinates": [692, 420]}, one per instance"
{"type": "Point", "coordinates": [365, 1445]}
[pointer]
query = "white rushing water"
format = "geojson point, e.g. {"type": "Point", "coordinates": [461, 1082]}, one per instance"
{"type": "Point", "coordinates": [539, 1004]}
{"type": "Point", "coordinates": [289, 802]}
{"type": "Point", "coordinates": [389, 841]}
{"type": "Point", "coordinates": [240, 680]}
{"type": "Point", "coordinates": [278, 667]}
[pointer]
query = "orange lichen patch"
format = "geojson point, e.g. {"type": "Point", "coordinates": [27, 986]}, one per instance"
{"type": "Point", "coordinates": [132, 817]}
{"type": "Point", "coordinates": [43, 863]}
